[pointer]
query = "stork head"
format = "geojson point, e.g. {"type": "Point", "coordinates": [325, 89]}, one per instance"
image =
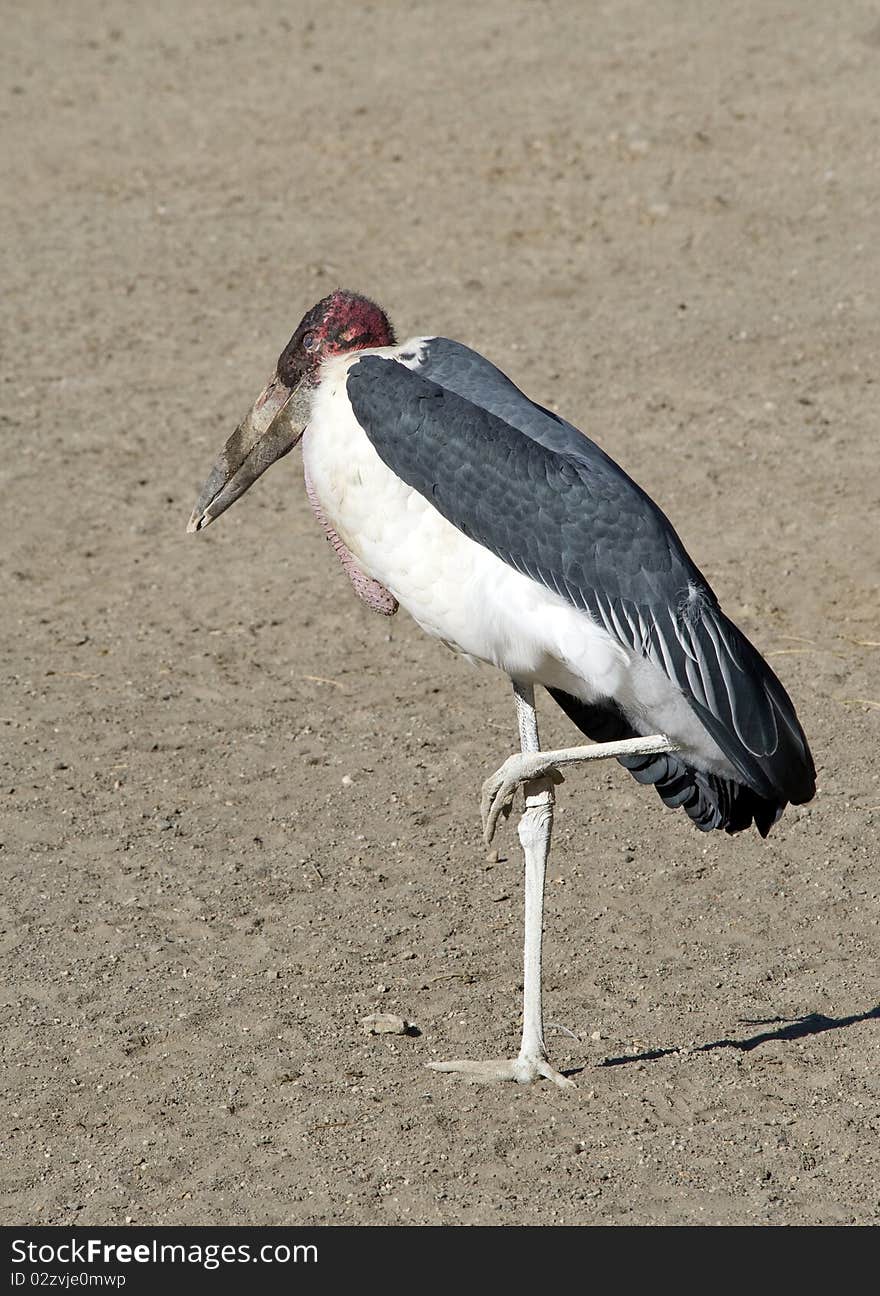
{"type": "Point", "coordinates": [340, 323]}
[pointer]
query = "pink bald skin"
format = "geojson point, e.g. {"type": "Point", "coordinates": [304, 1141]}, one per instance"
{"type": "Point", "coordinates": [369, 591]}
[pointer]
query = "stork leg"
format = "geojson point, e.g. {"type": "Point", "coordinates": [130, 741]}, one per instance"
{"type": "Point", "coordinates": [535, 828]}
{"type": "Point", "coordinates": [536, 772]}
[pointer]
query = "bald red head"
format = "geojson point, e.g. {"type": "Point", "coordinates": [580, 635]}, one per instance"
{"type": "Point", "coordinates": [344, 321]}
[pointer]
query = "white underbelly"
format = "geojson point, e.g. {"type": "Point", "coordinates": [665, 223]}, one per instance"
{"type": "Point", "coordinates": [464, 595]}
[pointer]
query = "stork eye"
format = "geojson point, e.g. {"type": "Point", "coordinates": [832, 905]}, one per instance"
{"type": "Point", "coordinates": [310, 342]}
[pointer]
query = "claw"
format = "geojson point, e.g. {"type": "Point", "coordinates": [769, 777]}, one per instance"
{"type": "Point", "coordinates": [497, 801]}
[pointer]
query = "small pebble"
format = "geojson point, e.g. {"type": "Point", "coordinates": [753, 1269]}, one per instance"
{"type": "Point", "coordinates": [385, 1024]}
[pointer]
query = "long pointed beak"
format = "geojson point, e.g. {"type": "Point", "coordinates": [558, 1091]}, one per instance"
{"type": "Point", "coordinates": [270, 431]}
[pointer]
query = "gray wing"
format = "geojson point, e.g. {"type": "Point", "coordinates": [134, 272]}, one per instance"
{"type": "Point", "coordinates": [547, 501]}
{"type": "Point", "coordinates": [459, 369]}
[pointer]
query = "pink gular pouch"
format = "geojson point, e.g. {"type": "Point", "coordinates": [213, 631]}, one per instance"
{"type": "Point", "coordinates": [376, 596]}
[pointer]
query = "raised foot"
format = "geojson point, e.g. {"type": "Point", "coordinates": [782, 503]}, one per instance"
{"type": "Point", "coordinates": [530, 766]}
{"type": "Point", "coordinates": [500, 788]}
{"type": "Point", "coordinates": [522, 1070]}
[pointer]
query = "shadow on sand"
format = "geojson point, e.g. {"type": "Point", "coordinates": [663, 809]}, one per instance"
{"type": "Point", "coordinates": [786, 1029]}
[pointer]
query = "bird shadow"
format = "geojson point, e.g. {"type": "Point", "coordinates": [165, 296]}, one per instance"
{"type": "Point", "coordinates": [786, 1028]}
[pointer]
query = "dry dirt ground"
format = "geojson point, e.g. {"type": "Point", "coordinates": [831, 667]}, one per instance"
{"type": "Point", "coordinates": [239, 810]}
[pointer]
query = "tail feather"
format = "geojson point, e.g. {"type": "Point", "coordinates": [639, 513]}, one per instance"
{"type": "Point", "coordinates": [709, 800]}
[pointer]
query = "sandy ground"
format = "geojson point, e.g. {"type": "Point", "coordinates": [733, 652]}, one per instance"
{"type": "Point", "coordinates": [240, 810]}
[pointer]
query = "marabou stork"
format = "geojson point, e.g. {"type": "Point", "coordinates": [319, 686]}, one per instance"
{"type": "Point", "coordinates": [510, 536]}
